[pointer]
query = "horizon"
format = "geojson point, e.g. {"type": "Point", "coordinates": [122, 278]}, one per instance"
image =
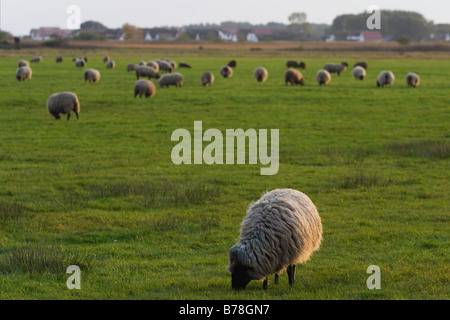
{"type": "Point", "coordinates": [114, 13]}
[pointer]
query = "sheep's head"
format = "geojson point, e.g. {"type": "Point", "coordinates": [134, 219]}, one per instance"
{"type": "Point", "coordinates": [301, 81]}
{"type": "Point", "coordinates": [345, 64]}
{"type": "Point", "coordinates": [240, 274]}
{"type": "Point", "coordinates": [302, 65]}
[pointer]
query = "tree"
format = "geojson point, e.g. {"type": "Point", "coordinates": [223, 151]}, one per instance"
{"type": "Point", "coordinates": [297, 18]}
{"type": "Point", "coordinates": [132, 33]}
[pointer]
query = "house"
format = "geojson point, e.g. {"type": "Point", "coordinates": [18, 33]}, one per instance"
{"type": "Point", "coordinates": [374, 36]}
{"type": "Point", "coordinates": [229, 34]}
{"type": "Point", "coordinates": [45, 33]}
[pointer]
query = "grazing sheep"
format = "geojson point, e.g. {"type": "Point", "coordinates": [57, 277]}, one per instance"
{"type": "Point", "coordinates": [412, 79]}
{"type": "Point", "coordinates": [173, 64]}
{"type": "Point", "coordinates": [23, 63]}
{"type": "Point", "coordinates": [24, 73]}
{"type": "Point", "coordinates": [184, 65]}
{"type": "Point", "coordinates": [294, 64]}
{"type": "Point", "coordinates": [361, 64]}
{"type": "Point", "coordinates": [132, 67]}
{"type": "Point", "coordinates": [154, 65]}
{"type": "Point", "coordinates": [173, 79]}
{"type": "Point", "coordinates": [144, 88]}
{"type": "Point", "coordinates": [91, 75]}
{"type": "Point", "coordinates": [280, 230]}
{"type": "Point", "coordinates": [63, 103]}
{"type": "Point", "coordinates": [260, 74]}
{"type": "Point", "coordinates": [36, 59]}
{"type": "Point", "coordinates": [336, 67]}
{"type": "Point", "coordinates": [79, 63]}
{"type": "Point", "coordinates": [385, 79]}
{"type": "Point", "coordinates": [105, 59]}
{"type": "Point", "coordinates": [146, 72]}
{"type": "Point", "coordinates": [226, 71]}
{"type": "Point", "coordinates": [207, 79]}
{"type": "Point", "coordinates": [359, 73]}
{"type": "Point", "coordinates": [142, 63]}
{"type": "Point", "coordinates": [164, 66]}
{"type": "Point", "coordinates": [110, 65]}
{"type": "Point", "coordinates": [293, 77]}
{"type": "Point", "coordinates": [232, 64]}
{"type": "Point", "coordinates": [323, 77]}
{"type": "Point", "coordinates": [59, 59]}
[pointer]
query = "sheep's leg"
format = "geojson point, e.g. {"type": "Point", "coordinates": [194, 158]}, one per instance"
{"type": "Point", "coordinates": [68, 116]}
{"type": "Point", "coordinates": [78, 117]}
{"type": "Point", "coordinates": [291, 274]}
{"type": "Point", "coordinates": [277, 277]}
{"type": "Point", "coordinates": [265, 284]}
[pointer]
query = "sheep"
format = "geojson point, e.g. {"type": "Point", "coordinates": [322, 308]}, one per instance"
{"type": "Point", "coordinates": [412, 79]}
{"type": "Point", "coordinates": [110, 65]}
{"type": "Point", "coordinates": [23, 63]}
{"type": "Point", "coordinates": [59, 59]}
{"type": "Point", "coordinates": [361, 64]}
{"type": "Point", "coordinates": [385, 79]}
{"type": "Point", "coordinates": [63, 103]}
{"type": "Point", "coordinates": [232, 64]}
{"type": "Point", "coordinates": [164, 66]}
{"type": "Point", "coordinates": [294, 64]}
{"type": "Point", "coordinates": [359, 73]}
{"type": "Point", "coordinates": [146, 72]}
{"type": "Point", "coordinates": [106, 59]}
{"type": "Point", "coordinates": [142, 63]}
{"type": "Point", "coordinates": [154, 65]}
{"type": "Point", "coordinates": [280, 230]}
{"type": "Point", "coordinates": [184, 65]}
{"type": "Point", "coordinates": [91, 75]}
{"type": "Point", "coordinates": [323, 77]}
{"type": "Point", "coordinates": [24, 73]}
{"type": "Point", "coordinates": [226, 72]}
{"type": "Point", "coordinates": [132, 67]}
{"type": "Point", "coordinates": [293, 77]}
{"type": "Point", "coordinates": [207, 79]}
{"type": "Point", "coordinates": [173, 79]}
{"type": "Point", "coordinates": [79, 63]}
{"type": "Point", "coordinates": [37, 59]}
{"type": "Point", "coordinates": [260, 74]}
{"type": "Point", "coordinates": [336, 67]}
{"type": "Point", "coordinates": [144, 88]}
{"type": "Point", "coordinates": [173, 64]}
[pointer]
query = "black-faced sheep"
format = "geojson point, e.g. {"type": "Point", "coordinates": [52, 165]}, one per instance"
{"type": "Point", "coordinates": [110, 64]}
{"type": "Point", "coordinates": [232, 64]}
{"type": "Point", "coordinates": [173, 79]}
{"type": "Point", "coordinates": [105, 59]}
{"type": "Point", "coordinates": [336, 67]}
{"type": "Point", "coordinates": [91, 75]}
{"type": "Point", "coordinates": [323, 77]}
{"type": "Point", "coordinates": [79, 62]}
{"type": "Point", "coordinates": [164, 66]}
{"type": "Point", "coordinates": [385, 79]}
{"type": "Point", "coordinates": [37, 59]}
{"type": "Point", "coordinates": [23, 63]}
{"type": "Point", "coordinates": [146, 72]}
{"type": "Point", "coordinates": [226, 72]}
{"type": "Point", "coordinates": [293, 77]}
{"type": "Point", "coordinates": [260, 74]}
{"type": "Point", "coordinates": [59, 59]}
{"type": "Point", "coordinates": [359, 73]}
{"type": "Point", "coordinates": [144, 88]}
{"type": "Point", "coordinates": [184, 65]}
{"type": "Point", "coordinates": [280, 230]}
{"type": "Point", "coordinates": [207, 79]}
{"type": "Point", "coordinates": [412, 79]}
{"type": "Point", "coordinates": [24, 73]}
{"type": "Point", "coordinates": [132, 67]}
{"type": "Point", "coordinates": [63, 103]}
{"type": "Point", "coordinates": [361, 64]}
{"type": "Point", "coordinates": [294, 64]}
{"type": "Point", "coordinates": [153, 65]}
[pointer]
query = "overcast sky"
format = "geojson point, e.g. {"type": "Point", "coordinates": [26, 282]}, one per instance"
{"type": "Point", "coordinates": [19, 16]}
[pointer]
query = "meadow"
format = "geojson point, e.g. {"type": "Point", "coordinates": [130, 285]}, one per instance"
{"type": "Point", "coordinates": [102, 192]}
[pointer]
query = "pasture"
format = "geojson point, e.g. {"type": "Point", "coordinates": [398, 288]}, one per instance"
{"type": "Point", "coordinates": [102, 192]}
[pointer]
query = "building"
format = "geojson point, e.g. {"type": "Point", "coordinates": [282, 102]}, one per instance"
{"type": "Point", "coordinates": [45, 33]}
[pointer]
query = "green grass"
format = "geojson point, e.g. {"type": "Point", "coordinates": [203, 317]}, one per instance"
{"type": "Point", "coordinates": [102, 192]}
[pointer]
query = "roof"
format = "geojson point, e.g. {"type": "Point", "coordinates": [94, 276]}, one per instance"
{"type": "Point", "coordinates": [372, 35]}
{"type": "Point", "coordinates": [262, 31]}
{"type": "Point", "coordinates": [230, 30]}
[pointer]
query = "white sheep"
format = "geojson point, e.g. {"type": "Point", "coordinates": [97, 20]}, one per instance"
{"type": "Point", "coordinates": [23, 63]}
{"type": "Point", "coordinates": [336, 67]}
{"type": "Point", "coordinates": [106, 59]}
{"type": "Point", "coordinates": [154, 65]}
{"type": "Point", "coordinates": [37, 59]}
{"type": "Point", "coordinates": [323, 77]}
{"type": "Point", "coordinates": [91, 75]}
{"type": "Point", "coordinates": [164, 66]}
{"type": "Point", "coordinates": [24, 73]}
{"type": "Point", "coordinates": [79, 62]}
{"type": "Point", "coordinates": [412, 79]}
{"type": "Point", "coordinates": [132, 67]}
{"type": "Point", "coordinates": [359, 73]}
{"type": "Point", "coordinates": [385, 79]}
{"type": "Point", "coordinates": [207, 79]}
{"type": "Point", "coordinates": [110, 64]}
{"type": "Point", "coordinates": [63, 103]}
{"type": "Point", "coordinates": [226, 72]}
{"type": "Point", "coordinates": [146, 72]}
{"type": "Point", "coordinates": [280, 230]}
{"type": "Point", "coordinates": [292, 76]}
{"type": "Point", "coordinates": [172, 79]}
{"type": "Point", "coordinates": [144, 88]}
{"type": "Point", "coordinates": [260, 74]}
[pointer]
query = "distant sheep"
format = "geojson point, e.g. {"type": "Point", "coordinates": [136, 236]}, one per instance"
{"type": "Point", "coordinates": [154, 65]}
{"type": "Point", "coordinates": [37, 59]}
{"type": "Point", "coordinates": [412, 79]}
{"type": "Point", "coordinates": [79, 63]}
{"type": "Point", "coordinates": [293, 77]}
{"type": "Point", "coordinates": [106, 59]}
{"type": "Point", "coordinates": [385, 79]}
{"type": "Point", "coordinates": [144, 88]}
{"type": "Point", "coordinates": [59, 59]}
{"type": "Point", "coordinates": [336, 67]}
{"type": "Point", "coordinates": [132, 67]}
{"type": "Point", "coordinates": [294, 64]}
{"type": "Point", "coordinates": [173, 64]}
{"type": "Point", "coordinates": [184, 65]}
{"type": "Point", "coordinates": [146, 72]}
{"type": "Point", "coordinates": [23, 63]}
{"type": "Point", "coordinates": [173, 79]}
{"type": "Point", "coordinates": [280, 230]}
{"type": "Point", "coordinates": [142, 63]}
{"type": "Point", "coordinates": [361, 64]}
{"type": "Point", "coordinates": [323, 77]}
{"type": "Point", "coordinates": [359, 73]}
{"type": "Point", "coordinates": [110, 64]}
{"type": "Point", "coordinates": [260, 74]}
{"type": "Point", "coordinates": [91, 75]}
{"type": "Point", "coordinates": [164, 66]}
{"type": "Point", "coordinates": [207, 79]}
{"type": "Point", "coordinates": [24, 73]}
{"type": "Point", "coordinates": [63, 103]}
{"type": "Point", "coordinates": [226, 72]}
{"type": "Point", "coordinates": [232, 64]}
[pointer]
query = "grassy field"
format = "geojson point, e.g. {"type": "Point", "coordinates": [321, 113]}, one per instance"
{"type": "Point", "coordinates": [102, 192]}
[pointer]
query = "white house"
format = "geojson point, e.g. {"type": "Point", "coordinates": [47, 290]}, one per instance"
{"type": "Point", "coordinates": [251, 37]}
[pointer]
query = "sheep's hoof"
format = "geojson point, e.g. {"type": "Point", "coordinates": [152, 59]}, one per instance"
{"type": "Point", "coordinates": [277, 277]}
{"type": "Point", "coordinates": [265, 284]}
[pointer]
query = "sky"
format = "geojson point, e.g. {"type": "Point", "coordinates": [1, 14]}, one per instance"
{"type": "Point", "coordinates": [20, 16]}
